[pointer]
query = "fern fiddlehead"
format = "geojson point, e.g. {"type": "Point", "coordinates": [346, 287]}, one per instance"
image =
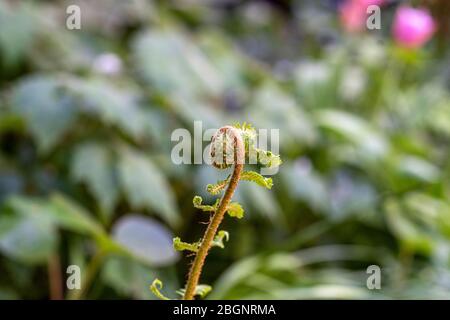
{"type": "Point", "coordinates": [229, 147]}
{"type": "Point", "coordinates": [221, 138]}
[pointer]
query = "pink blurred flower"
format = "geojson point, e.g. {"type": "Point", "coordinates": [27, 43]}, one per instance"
{"type": "Point", "coordinates": [353, 13]}
{"type": "Point", "coordinates": [413, 27]}
{"type": "Point", "coordinates": [367, 3]}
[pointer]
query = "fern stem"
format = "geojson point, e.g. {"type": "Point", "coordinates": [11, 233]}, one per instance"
{"type": "Point", "coordinates": [199, 260]}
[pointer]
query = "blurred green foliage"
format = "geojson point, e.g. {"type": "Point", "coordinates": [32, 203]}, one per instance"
{"type": "Point", "coordinates": [85, 171]}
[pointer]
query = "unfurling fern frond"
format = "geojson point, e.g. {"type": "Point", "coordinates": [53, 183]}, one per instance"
{"type": "Point", "coordinates": [230, 146]}
{"type": "Point", "coordinates": [218, 239]}
{"type": "Point", "coordinates": [197, 201]}
{"type": "Point", "coordinates": [155, 287]}
{"type": "Point", "coordinates": [268, 159]}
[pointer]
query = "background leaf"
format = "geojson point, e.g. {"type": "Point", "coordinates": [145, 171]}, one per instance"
{"type": "Point", "coordinates": [145, 239]}
{"type": "Point", "coordinates": [28, 239]}
{"type": "Point", "coordinates": [48, 113]}
{"type": "Point", "coordinates": [145, 186]}
{"type": "Point", "coordinates": [93, 165]}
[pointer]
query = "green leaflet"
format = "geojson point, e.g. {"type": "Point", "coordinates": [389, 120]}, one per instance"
{"type": "Point", "coordinates": [201, 290]}
{"type": "Point", "coordinates": [235, 210]}
{"type": "Point", "coordinates": [248, 134]}
{"type": "Point", "coordinates": [181, 246]}
{"type": "Point", "coordinates": [218, 239]}
{"type": "Point", "coordinates": [155, 287]}
{"type": "Point", "coordinates": [244, 126]}
{"type": "Point", "coordinates": [257, 178]}
{"type": "Point", "coordinates": [268, 159]}
{"type": "Point", "coordinates": [216, 188]}
{"type": "Point", "coordinates": [197, 201]}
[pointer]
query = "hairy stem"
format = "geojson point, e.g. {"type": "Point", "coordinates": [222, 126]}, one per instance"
{"type": "Point", "coordinates": [199, 260]}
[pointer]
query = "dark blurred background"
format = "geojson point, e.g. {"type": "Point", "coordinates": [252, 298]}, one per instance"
{"type": "Point", "coordinates": [86, 176]}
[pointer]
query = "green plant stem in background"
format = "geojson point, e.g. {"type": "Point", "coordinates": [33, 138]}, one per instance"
{"type": "Point", "coordinates": [55, 278]}
{"type": "Point", "coordinates": [91, 271]}
{"type": "Point", "coordinates": [196, 268]}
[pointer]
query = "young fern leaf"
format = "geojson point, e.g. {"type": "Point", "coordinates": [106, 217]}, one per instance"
{"type": "Point", "coordinates": [230, 146]}
{"type": "Point", "coordinates": [263, 157]}
{"type": "Point", "coordinates": [268, 159]}
{"type": "Point", "coordinates": [155, 287]}
{"type": "Point", "coordinates": [218, 187]}
{"type": "Point", "coordinates": [244, 126]}
{"type": "Point", "coordinates": [257, 178]}
{"type": "Point", "coordinates": [248, 134]}
{"type": "Point", "coordinates": [197, 201]}
{"type": "Point", "coordinates": [201, 290]}
{"type": "Point", "coordinates": [181, 246]}
{"type": "Point", "coordinates": [235, 210]}
{"type": "Point", "coordinates": [218, 239]}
